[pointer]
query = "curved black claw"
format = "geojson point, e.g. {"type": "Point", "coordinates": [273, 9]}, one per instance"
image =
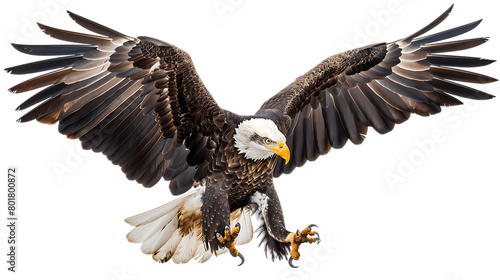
{"type": "Point", "coordinates": [290, 260]}
{"type": "Point", "coordinates": [238, 225]}
{"type": "Point", "coordinates": [242, 258]}
{"type": "Point", "coordinates": [311, 226]}
{"type": "Point", "coordinates": [318, 239]}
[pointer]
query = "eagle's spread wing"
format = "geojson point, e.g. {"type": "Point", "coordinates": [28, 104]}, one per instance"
{"type": "Point", "coordinates": [138, 101]}
{"type": "Point", "coordinates": [377, 86]}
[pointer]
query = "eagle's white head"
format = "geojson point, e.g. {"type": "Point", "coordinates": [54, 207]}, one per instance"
{"type": "Point", "coordinates": [259, 139]}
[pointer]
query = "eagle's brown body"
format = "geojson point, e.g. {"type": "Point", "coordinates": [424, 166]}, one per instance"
{"type": "Point", "coordinates": [230, 182]}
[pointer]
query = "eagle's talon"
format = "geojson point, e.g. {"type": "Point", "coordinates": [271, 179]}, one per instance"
{"type": "Point", "coordinates": [318, 239]}
{"type": "Point", "coordinates": [242, 258]}
{"type": "Point", "coordinates": [290, 260]}
{"type": "Point", "coordinates": [300, 237]}
{"type": "Point", "coordinates": [228, 241]}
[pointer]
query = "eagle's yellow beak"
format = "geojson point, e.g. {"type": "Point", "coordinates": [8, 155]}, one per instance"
{"type": "Point", "coordinates": [282, 151]}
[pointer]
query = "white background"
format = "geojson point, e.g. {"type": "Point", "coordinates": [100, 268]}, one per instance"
{"type": "Point", "coordinates": [442, 222]}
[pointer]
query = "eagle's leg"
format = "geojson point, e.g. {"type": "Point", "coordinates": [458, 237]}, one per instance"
{"type": "Point", "coordinates": [215, 218]}
{"type": "Point", "coordinates": [278, 238]}
{"type": "Point", "coordinates": [228, 241]}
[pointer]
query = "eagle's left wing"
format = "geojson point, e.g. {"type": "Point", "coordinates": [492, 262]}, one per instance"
{"type": "Point", "coordinates": [139, 101]}
{"type": "Point", "coordinates": [376, 86]}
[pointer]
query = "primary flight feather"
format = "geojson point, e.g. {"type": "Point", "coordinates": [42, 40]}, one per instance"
{"type": "Point", "coordinates": [140, 102]}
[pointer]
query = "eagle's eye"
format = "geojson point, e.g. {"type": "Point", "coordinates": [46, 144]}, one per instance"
{"type": "Point", "coordinates": [267, 141]}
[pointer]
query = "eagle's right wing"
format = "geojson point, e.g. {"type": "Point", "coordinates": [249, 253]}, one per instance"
{"type": "Point", "coordinates": [375, 86]}
{"type": "Point", "coordinates": [139, 101]}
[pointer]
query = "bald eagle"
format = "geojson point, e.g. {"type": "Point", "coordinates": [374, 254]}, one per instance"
{"type": "Point", "coordinates": [140, 102]}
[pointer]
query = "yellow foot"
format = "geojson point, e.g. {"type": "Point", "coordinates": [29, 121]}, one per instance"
{"type": "Point", "coordinates": [298, 238]}
{"type": "Point", "coordinates": [228, 241]}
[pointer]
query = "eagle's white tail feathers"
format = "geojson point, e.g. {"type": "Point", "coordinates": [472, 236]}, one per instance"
{"type": "Point", "coordinates": [166, 252]}
{"type": "Point", "coordinates": [160, 234]}
{"type": "Point", "coordinates": [187, 248]}
{"type": "Point", "coordinates": [154, 214]}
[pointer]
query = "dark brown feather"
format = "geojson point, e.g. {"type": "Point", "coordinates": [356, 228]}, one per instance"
{"type": "Point", "coordinates": [454, 45]}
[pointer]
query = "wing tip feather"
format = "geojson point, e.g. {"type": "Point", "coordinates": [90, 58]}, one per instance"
{"type": "Point", "coordinates": [448, 11]}
{"type": "Point", "coordinates": [75, 17]}
{"type": "Point", "coordinates": [42, 26]}
{"type": "Point", "coordinates": [487, 96]}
